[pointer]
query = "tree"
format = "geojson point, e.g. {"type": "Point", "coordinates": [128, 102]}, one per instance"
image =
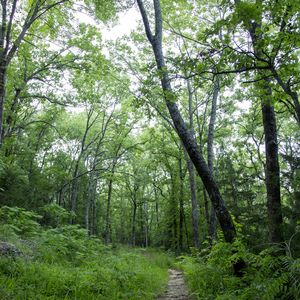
{"type": "Point", "coordinates": [254, 27]}
{"type": "Point", "coordinates": [185, 136]}
{"type": "Point", "coordinates": [11, 36]}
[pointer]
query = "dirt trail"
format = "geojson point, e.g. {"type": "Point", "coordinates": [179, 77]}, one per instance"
{"type": "Point", "coordinates": [176, 288]}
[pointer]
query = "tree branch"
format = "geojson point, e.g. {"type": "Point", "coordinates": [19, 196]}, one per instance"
{"type": "Point", "coordinates": [145, 21]}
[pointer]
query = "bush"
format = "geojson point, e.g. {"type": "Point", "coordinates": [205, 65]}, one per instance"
{"type": "Point", "coordinates": [266, 276]}
{"type": "Point", "coordinates": [19, 221]}
{"type": "Point", "coordinates": [54, 215]}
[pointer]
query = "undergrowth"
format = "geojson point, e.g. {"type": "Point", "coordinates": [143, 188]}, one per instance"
{"type": "Point", "coordinates": [266, 276]}
{"type": "Point", "coordinates": [62, 263]}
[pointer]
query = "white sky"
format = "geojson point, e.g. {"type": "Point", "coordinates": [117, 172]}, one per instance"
{"type": "Point", "coordinates": [127, 22]}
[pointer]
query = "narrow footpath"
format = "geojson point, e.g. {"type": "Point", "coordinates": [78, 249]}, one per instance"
{"type": "Point", "coordinates": [176, 288]}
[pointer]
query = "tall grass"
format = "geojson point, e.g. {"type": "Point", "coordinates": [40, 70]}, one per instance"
{"type": "Point", "coordinates": [62, 263]}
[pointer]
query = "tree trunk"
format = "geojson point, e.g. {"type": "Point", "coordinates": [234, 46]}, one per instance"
{"type": "Point", "coordinates": [108, 224]}
{"type": "Point", "coordinates": [146, 224]}
{"type": "Point", "coordinates": [175, 234]}
{"type": "Point", "coordinates": [210, 153]}
{"type": "Point", "coordinates": [134, 224]}
{"type": "Point", "coordinates": [94, 221]}
{"type": "Point", "coordinates": [74, 188]}
{"type": "Point", "coordinates": [186, 232]}
{"type": "Point", "coordinates": [91, 195]}
{"type": "Point", "coordinates": [2, 99]}
{"type": "Point", "coordinates": [156, 208]}
{"type": "Point", "coordinates": [272, 171]}
{"type": "Point", "coordinates": [206, 210]}
{"type": "Point", "coordinates": [186, 137]}
{"type": "Point", "coordinates": [195, 210]}
{"type": "Point", "coordinates": [181, 207]}
{"type": "Point", "coordinates": [87, 219]}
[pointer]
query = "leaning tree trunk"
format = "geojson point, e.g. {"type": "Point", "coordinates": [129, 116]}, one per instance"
{"type": "Point", "coordinates": [187, 139]}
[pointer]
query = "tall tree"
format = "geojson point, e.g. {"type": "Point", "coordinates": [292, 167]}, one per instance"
{"type": "Point", "coordinates": [12, 35]}
{"type": "Point", "coordinates": [272, 169]}
{"type": "Point", "coordinates": [195, 207]}
{"type": "Point", "coordinates": [210, 150]}
{"type": "Point", "coordinates": [181, 128]}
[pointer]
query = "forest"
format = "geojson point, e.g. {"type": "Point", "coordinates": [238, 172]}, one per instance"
{"type": "Point", "coordinates": [139, 137]}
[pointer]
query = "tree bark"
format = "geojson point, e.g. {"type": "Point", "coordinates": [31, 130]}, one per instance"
{"type": "Point", "coordinates": [210, 153]}
{"type": "Point", "coordinates": [108, 221]}
{"type": "Point", "coordinates": [133, 240]}
{"type": "Point", "coordinates": [206, 210]}
{"type": "Point", "coordinates": [83, 148]}
{"type": "Point", "coordinates": [195, 209]}
{"type": "Point", "coordinates": [272, 171]}
{"type": "Point", "coordinates": [2, 99]}
{"type": "Point", "coordinates": [181, 206]}
{"type": "Point", "coordinates": [181, 128]}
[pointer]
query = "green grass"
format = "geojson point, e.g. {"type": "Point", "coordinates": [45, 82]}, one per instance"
{"type": "Point", "coordinates": [108, 274]}
{"type": "Point", "coordinates": [61, 263]}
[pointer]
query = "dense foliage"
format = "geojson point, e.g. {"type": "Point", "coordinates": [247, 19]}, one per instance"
{"type": "Point", "coordinates": [62, 263]}
{"type": "Point", "coordinates": [182, 134]}
{"type": "Point", "coordinates": [265, 277]}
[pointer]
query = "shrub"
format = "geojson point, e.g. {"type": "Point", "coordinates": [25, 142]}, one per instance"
{"type": "Point", "coordinates": [20, 221]}
{"type": "Point", "coordinates": [54, 215]}
{"type": "Point", "coordinates": [266, 276]}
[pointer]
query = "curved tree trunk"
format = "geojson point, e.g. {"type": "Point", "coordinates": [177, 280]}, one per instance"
{"type": "Point", "coordinates": [186, 137]}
